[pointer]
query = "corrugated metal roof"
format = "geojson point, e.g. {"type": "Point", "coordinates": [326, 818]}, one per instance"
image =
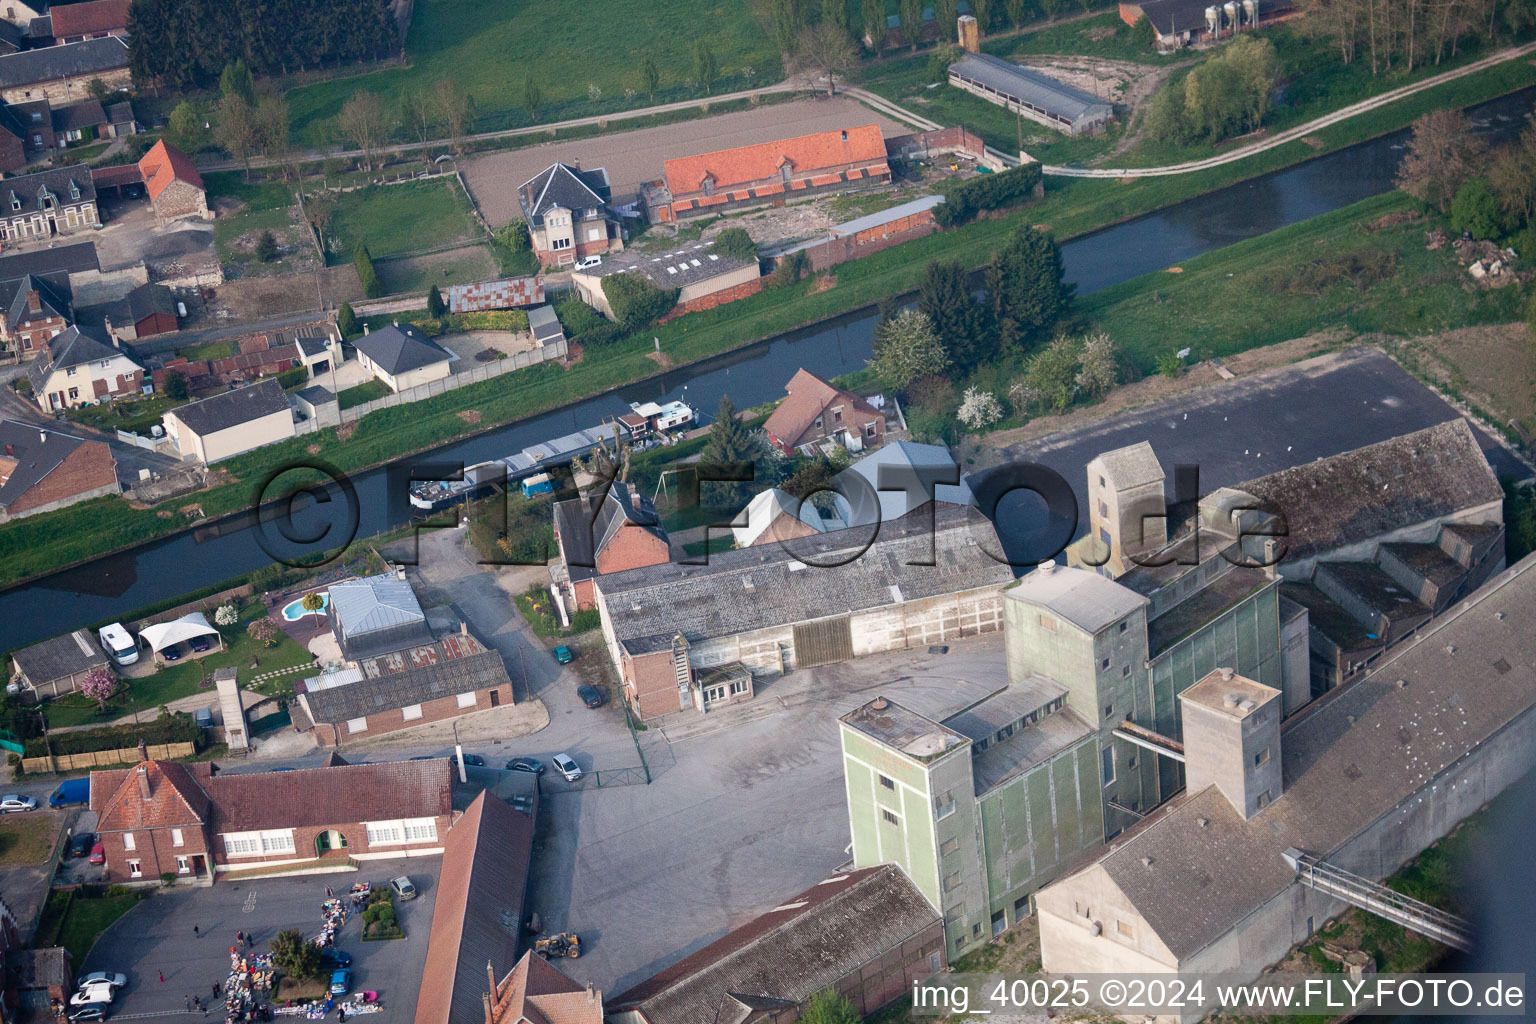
{"type": "Point", "coordinates": [504, 294]}
{"type": "Point", "coordinates": [375, 602]}
{"type": "Point", "coordinates": [1029, 86]}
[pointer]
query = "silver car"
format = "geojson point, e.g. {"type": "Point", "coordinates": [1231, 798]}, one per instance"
{"type": "Point", "coordinates": [569, 768]}
{"type": "Point", "coordinates": [103, 977]}
{"type": "Point", "coordinates": [16, 802]}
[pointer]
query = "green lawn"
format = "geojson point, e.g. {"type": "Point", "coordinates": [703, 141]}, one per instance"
{"type": "Point", "coordinates": [27, 838]}
{"type": "Point", "coordinates": [490, 49]}
{"type": "Point", "coordinates": [183, 678]}
{"type": "Point", "coordinates": [456, 266]}
{"type": "Point", "coordinates": [84, 920]}
{"type": "Point", "coordinates": [364, 392]}
{"type": "Point", "coordinates": [401, 218]}
{"type": "Point", "coordinates": [135, 415]}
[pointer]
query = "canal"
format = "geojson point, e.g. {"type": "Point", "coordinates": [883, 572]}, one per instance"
{"type": "Point", "coordinates": [160, 570]}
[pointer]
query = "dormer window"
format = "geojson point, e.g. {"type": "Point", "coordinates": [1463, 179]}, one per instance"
{"type": "Point", "coordinates": [74, 190]}
{"type": "Point", "coordinates": [709, 186]}
{"type": "Point", "coordinates": [15, 201]}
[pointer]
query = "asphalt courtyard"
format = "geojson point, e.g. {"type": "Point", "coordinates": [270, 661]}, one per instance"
{"type": "Point", "coordinates": [156, 937]}
{"type": "Point", "coordinates": [637, 156]}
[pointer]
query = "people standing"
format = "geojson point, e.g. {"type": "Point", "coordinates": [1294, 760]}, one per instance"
{"type": "Point", "coordinates": [239, 940]}
{"type": "Point", "coordinates": [162, 976]}
{"type": "Point", "coordinates": [189, 1004]}
{"type": "Point", "coordinates": [196, 934]}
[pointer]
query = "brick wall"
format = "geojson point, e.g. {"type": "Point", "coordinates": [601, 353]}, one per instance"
{"type": "Point", "coordinates": [631, 548]}
{"type": "Point", "coordinates": [871, 240]}
{"type": "Point", "coordinates": [153, 849]}
{"type": "Point", "coordinates": [956, 139]}
{"type": "Point", "coordinates": [83, 473]}
{"type": "Point", "coordinates": [180, 199]}
{"type": "Point", "coordinates": [431, 711]}
{"type": "Point", "coordinates": [651, 684]}
{"type": "Point", "coordinates": [714, 299]}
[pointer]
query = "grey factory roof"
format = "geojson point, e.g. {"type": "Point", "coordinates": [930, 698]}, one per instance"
{"type": "Point", "coordinates": [759, 587]}
{"type": "Point", "coordinates": [1133, 465]}
{"type": "Point", "coordinates": [38, 451]}
{"type": "Point", "coordinates": [915, 735]}
{"type": "Point", "coordinates": [62, 656]}
{"type": "Point", "coordinates": [795, 950]}
{"type": "Point", "coordinates": [1031, 87]}
{"type": "Point", "coordinates": [1003, 707]}
{"type": "Point", "coordinates": [895, 480]}
{"type": "Point", "coordinates": [1204, 606]}
{"type": "Point", "coordinates": [561, 185]}
{"type": "Point", "coordinates": [1327, 617]}
{"type": "Point", "coordinates": [1370, 584]}
{"type": "Point", "coordinates": [397, 350]}
{"type": "Point", "coordinates": [1085, 599]}
{"type": "Point", "coordinates": [233, 408]}
{"type": "Point", "coordinates": [1427, 562]}
{"type": "Point", "coordinates": [381, 605]}
{"type": "Point", "coordinates": [1033, 745]}
{"type": "Point", "coordinates": [388, 682]}
{"type": "Point", "coordinates": [584, 533]}
{"type": "Point", "coordinates": [1348, 761]}
{"type": "Point", "coordinates": [675, 269]}
{"type": "Point", "coordinates": [72, 60]}
{"type": "Point", "coordinates": [1371, 491]}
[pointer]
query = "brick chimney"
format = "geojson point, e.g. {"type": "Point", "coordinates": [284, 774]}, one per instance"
{"type": "Point", "coordinates": [144, 781]}
{"type": "Point", "coordinates": [143, 751]}
{"type": "Point", "coordinates": [34, 301]}
{"type": "Point", "coordinates": [10, 451]}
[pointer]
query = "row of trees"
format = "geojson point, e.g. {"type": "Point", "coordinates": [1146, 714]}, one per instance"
{"type": "Point", "coordinates": [188, 43]}
{"type": "Point", "coordinates": [1449, 169]}
{"type": "Point", "coordinates": [1407, 33]}
{"type": "Point", "coordinates": [1227, 95]}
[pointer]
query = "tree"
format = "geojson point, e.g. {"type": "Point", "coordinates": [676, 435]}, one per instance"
{"type": "Point", "coordinates": [946, 16]}
{"type": "Point", "coordinates": [533, 98]}
{"type": "Point", "coordinates": [452, 107]}
{"type": "Point", "coordinates": [788, 19]}
{"type": "Point", "coordinates": [650, 74]}
{"type": "Point", "coordinates": [982, 11]}
{"type": "Point", "coordinates": [97, 89]}
{"type": "Point", "coordinates": [321, 210]}
{"type": "Point", "coordinates": [1442, 154]}
{"type": "Point", "coordinates": [236, 129]}
{"type": "Point", "coordinates": [827, 1007]}
{"type": "Point", "coordinates": [226, 615]}
{"type": "Point", "coordinates": [705, 67]}
{"type": "Point", "coordinates": [312, 602]}
{"type": "Point", "coordinates": [944, 296]}
{"type": "Point", "coordinates": [875, 24]}
{"type": "Point", "coordinates": [825, 50]}
{"type": "Point", "coordinates": [1512, 177]}
{"type": "Point", "coordinates": [910, 12]}
{"type": "Point", "coordinates": [184, 128]}
{"type": "Point", "coordinates": [99, 684]}
{"type": "Point", "coordinates": [362, 259]}
{"type": "Point", "coordinates": [266, 247]}
{"type": "Point", "coordinates": [419, 112]}
{"type": "Point", "coordinates": [1018, 12]}
{"type": "Point", "coordinates": [735, 244]}
{"type": "Point", "coordinates": [729, 441]}
{"type": "Point", "coordinates": [238, 81]}
{"type": "Point", "coordinates": [264, 631]}
{"type": "Point", "coordinates": [435, 304]}
{"type": "Point", "coordinates": [811, 481]}
{"type": "Point", "coordinates": [979, 410]}
{"type": "Point", "coordinates": [1475, 210]}
{"type": "Point", "coordinates": [176, 385]}
{"type": "Point", "coordinates": [906, 348]}
{"type": "Point", "coordinates": [295, 955]}
{"type": "Point", "coordinates": [1051, 374]}
{"type": "Point", "coordinates": [271, 123]}
{"type": "Point", "coordinates": [1031, 292]}
{"type": "Point", "coordinates": [364, 122]}
{"type": "Point", "coordinates": [1099, 370]}
{"type": "Point", "coordinates": [346, 321]}
{"type": "Point", "coordinates": [635, 301]}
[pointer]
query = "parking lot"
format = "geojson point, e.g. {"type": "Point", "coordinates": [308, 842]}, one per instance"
{"type": "Point", "coordinates": [156, 937]}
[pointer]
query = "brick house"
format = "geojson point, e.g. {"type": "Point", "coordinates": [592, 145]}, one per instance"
{"type": "Point", "coordinates": [566, 210]}
{"type": "Point", "coordinates": [454, 676]}
{"type": "Point", "coordinates": [62, 74]}
{"type": "Point", "coordinates": [26, 133]}
{"type": "Point", "coordinates": [93, 19]}
{"type": "Point", "coordinates": [816, 412]}
{"type": "Point", "coordinates": [42, 469]}
{"type": "Point", "coordinates": [174, 186]}
{"type": "Point", "coordinates": [79, 122]}
{"type": "Point", "coordinates": [615, 530]}
{"type": "Point", "coordinates": [33, 311]}
{"type": "Point", "coordinates": [769, 173]}
{"type": "Point", "coordinates": [867, 935]}
{"type": "Point", "coordinates": [77, 367]}
{"type": "Point", "coordinates": [192, 821]}
{"type": "Point", "coordinates": [55, 202]}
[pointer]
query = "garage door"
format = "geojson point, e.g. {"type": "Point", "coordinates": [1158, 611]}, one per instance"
{"type": "Point", "coordinates": [818, 643]}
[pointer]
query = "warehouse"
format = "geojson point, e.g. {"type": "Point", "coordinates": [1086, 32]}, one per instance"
{"type": "Point", "coordinates": [1034, 94]}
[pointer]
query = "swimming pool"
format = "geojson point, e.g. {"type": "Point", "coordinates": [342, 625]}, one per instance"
{"type": "Point", "coordinates": [294, 610]}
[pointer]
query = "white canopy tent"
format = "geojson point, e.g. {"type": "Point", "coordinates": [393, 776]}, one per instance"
{"type": "Point", "coordinates": [168, 634]}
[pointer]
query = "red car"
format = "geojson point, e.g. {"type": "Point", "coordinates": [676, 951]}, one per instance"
{"type": "Point", "coordinates": [98, 854]}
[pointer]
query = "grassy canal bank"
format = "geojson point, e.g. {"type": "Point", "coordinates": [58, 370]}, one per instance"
{"type": "Point", "coordinates": [42, 544]}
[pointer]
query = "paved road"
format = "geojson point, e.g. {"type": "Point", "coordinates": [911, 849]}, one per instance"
{"type": "Point", "coordinates": [637, 156]}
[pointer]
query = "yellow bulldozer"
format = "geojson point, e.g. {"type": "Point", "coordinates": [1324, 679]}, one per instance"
{"type": "Point", "coordinates": [557, 946]}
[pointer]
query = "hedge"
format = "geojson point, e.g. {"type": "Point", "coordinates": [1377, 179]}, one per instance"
{"type": "Point", "coordinates": [174, 728]}
{"type": "Point", "coordinates": [987, 192]}
{"type": "Point", "coordinates": [635, 301]}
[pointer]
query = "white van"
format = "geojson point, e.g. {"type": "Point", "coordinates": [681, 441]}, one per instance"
{"type": "Point", "coordinates": [116, 642]}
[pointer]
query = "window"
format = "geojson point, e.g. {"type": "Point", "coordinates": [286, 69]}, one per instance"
{"type": "Point", "coordinates": [1021, 907]}
{"type": "Point", "coordinates": [1104, 665]}
{"type": "Point", "coordinates": [890, 818]}
{"type": "Point", "coordinates": [1102, 483]}
{"type": "Point", "coordinates": [1261, 758]}
{"type": "Point", "coordinates": [1104, 536]}
{"type": "Point", "coordinates": [560, 243]}
{"type": "Point", "coordinates": [420, 829]}
{"type": "Point", "coordinates": [837, 414]}
{"type": "Point", "coordinates": [242, 844]}
{"type": "Point", "coordinates": [887, 783]}
{"type": "Point", "coordinates": [1130, 762]}
{"type": "Point", "coordinates": [960, 942]}
{"type": "Point", "coordinates": [128, 843]}
{"type": "Point", "coordinates": [1047, 623]}
{"type": "Point", "coordinates": [357, 725]}
{"type": "Point", "coordinates": [277, 841]}
{"type": "Point", "coordinates": [410, 712]}
{"type": "Point", "coordinates": [74, 191]}
{"type": "Point", "coordinates": [380, 832]}
{"type": "Point", "coordinates": [952, 882]}
{"type": "Point", "coordinates": [1125, 671]}
{"type": "Point", "coordinates": [869, 429]}
{"type": "Point", "coordinates": [1264, 799]}
{"type": "Point", "coordinates": [1109, 710]}
{"type": "Point", "coordinates": [466, 700]}
{"type": "Point", "coordinates": [183, 866]}
{"type": "Point", "coordinates": [976, 930]}
{"type": "Point", "coordinates": [133, 870]}
{"type": "Point", "coordinates": [1309, 924]}
{"type": "Point", "coordinates": [739, 686]}
{"type": "Point", "coordinates": [176, 838]}
{"type": "Point", "coordinates": [70, 371]}
{"type": "Point", "coordinates": [714, 693]}
{"type": "Point", "coordinates": [1122, 627]}
{"type": "Point", "coordinates": [594, 234]}
{"type": "Point", "coordinates": [1107, 763]}
{"type": "Point", "coordinates": [1103, 510]}
{"type": "Point", "coordinates": [1125, 929]}
{"type": "Point", "coordinates": [948, 846]}
{"type": "Point", "coordinates": [74, 393]}
{"type": "Point", "coordinates": [944, 806]}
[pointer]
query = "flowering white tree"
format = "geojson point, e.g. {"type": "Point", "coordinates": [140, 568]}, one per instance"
{"type": "Point", "coordinates": [1097, 372]}
{"type": "Point", "coordinates": [226, 615]}
{"type": "Point", "coordinates": [979, 409]}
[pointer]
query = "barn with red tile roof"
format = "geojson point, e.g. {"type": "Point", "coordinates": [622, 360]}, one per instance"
{"type": "Point", "coordinates": [770, 172]}
{"type": "Point", "coordinates": [174, 186]}
{"type": "Point", "coordinates": [90, 20]}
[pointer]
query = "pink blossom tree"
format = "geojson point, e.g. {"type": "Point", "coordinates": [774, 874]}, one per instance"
{"type": "Point", "coordinates": [99, 685]}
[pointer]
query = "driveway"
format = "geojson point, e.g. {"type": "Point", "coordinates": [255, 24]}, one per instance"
{"type": "Point", "coordinates": [156, 936]}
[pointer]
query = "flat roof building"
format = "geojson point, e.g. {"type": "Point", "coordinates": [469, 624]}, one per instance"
{"type": "Point", "coordinates": [1032, 93]}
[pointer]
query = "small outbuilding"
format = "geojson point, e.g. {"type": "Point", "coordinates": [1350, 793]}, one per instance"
{"type": "Point", "coordinates": [545, 326]}
{"type": "Point", "coordinates": [376, 615]}
{"type": "Point", "coordinates": [174, 186]}
{"type": "Point", "coordinates": [57, 666]}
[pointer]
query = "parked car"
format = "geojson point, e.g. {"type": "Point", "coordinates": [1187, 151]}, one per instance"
{"type": "Point", "coordinates": [103, 978]}
{"type": "Point", "coordinates": [591, 696]}
{"type": "Point", "coordinates": [341, 981]}
{"type": "Point", "coordinates": [526, 764]}
{"type": "Point", "coordinates": [80, 844]}
{"type": "Point", "coordinates": [563, 654]}
{"type": "Point", "coordinates": [474, 761]}
{"type": "Point", "coordinates": [203, 717]}
{"type": "Point", "coordinates": [569, 768]}
{"type": "Point", "coordinates": [172, 653]}
{"type": "Point", "coordinates": [16, 802]}
{"type": "Point", "coordinates": [588, 261]}
{"type": "Point", "coordinates": [404, 887]}
{"type": "Point", "coordinates": [98, 854]}
{"type": "Point", "coordinates": [201, 644]}
{"type": "Point", "coordinates": [90, 1011]}
{"type": "Point", "coordinates": [332, 955]}
{"type": "Point", "coordinates": [100, 992]}
{"type": "Point", "coordinates": [71, 791]}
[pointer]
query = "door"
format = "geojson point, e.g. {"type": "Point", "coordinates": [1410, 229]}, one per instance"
{"type": "Point", "coordinates": [495, 698]}
{"type": "Point", "coordinates": [818, 643]}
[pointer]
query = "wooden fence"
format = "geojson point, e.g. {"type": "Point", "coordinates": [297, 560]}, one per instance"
{"type": "Point", "coordinates": [104, 758]}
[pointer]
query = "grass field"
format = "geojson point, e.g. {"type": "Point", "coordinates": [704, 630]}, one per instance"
{"type": "Point", "coordinates": [135, 416]}
{"type": "Point", "coordinates": [489, 49]}
{"type": "Point", "coordinates": [401, 218]}
{"type": "Point", "coordinates": [76, 922]}
{"type": "Point", "coordinates": [456, 266]}
{"type": "Point", "coordinates": [27, 838]}
{"type": "Point", "coordinates": [364, 392]}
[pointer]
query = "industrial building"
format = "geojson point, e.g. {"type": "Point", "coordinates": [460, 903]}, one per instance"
{"type": "Point", "coordinates": [1371, 777]}
{"type": "Point", "coordinates": [1032, 93]}
{"type": "Point", "coordinates": [1182, 22]}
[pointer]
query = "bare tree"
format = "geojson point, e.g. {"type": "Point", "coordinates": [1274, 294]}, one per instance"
{"type": "Point", "coordinates": [1442, 154]}
{"type": "Point", "coordinates": [236, 129]}
{"type": "Point", "coordinates": [271, 116]}
{"type": "Point", "coordinates": [321, 210]}
{"type": "Point", "coordinates": [420, 112]}
{"type": "Point", "coordinates": [1512, 177]}
{"type": "Point", "coordinates": [452, 106]}
{"type": "Point", "coordinates": [824, 49]}
{"type": "Point", "coordinates": [364, 122]}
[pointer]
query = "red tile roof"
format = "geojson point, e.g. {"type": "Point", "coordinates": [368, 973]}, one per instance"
{"type": "Point", "coordinates": [339, 795]}
{"type": "Point", "coordinates": [805, 154]}
{"type": "Point", "coordinates": [165, 164]}
{"type": "Point", "coordinates": [89, 18]}
{"type": "Point", "coordinates": [117, 174]}
{"type": "Point", "coordinates": [177, 797]}
{"type": "Point", "coordinates": [808, 398]}
{"type": "Point", "coordinates": [537, 992]}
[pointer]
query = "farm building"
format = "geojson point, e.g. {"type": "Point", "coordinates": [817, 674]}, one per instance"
{"type": "Point", "coordinates": [1032, 93]}
{"type": "Point", "coordinates": [1181, 22]}
{"type": "Point", "coordinates": [703, 278]}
